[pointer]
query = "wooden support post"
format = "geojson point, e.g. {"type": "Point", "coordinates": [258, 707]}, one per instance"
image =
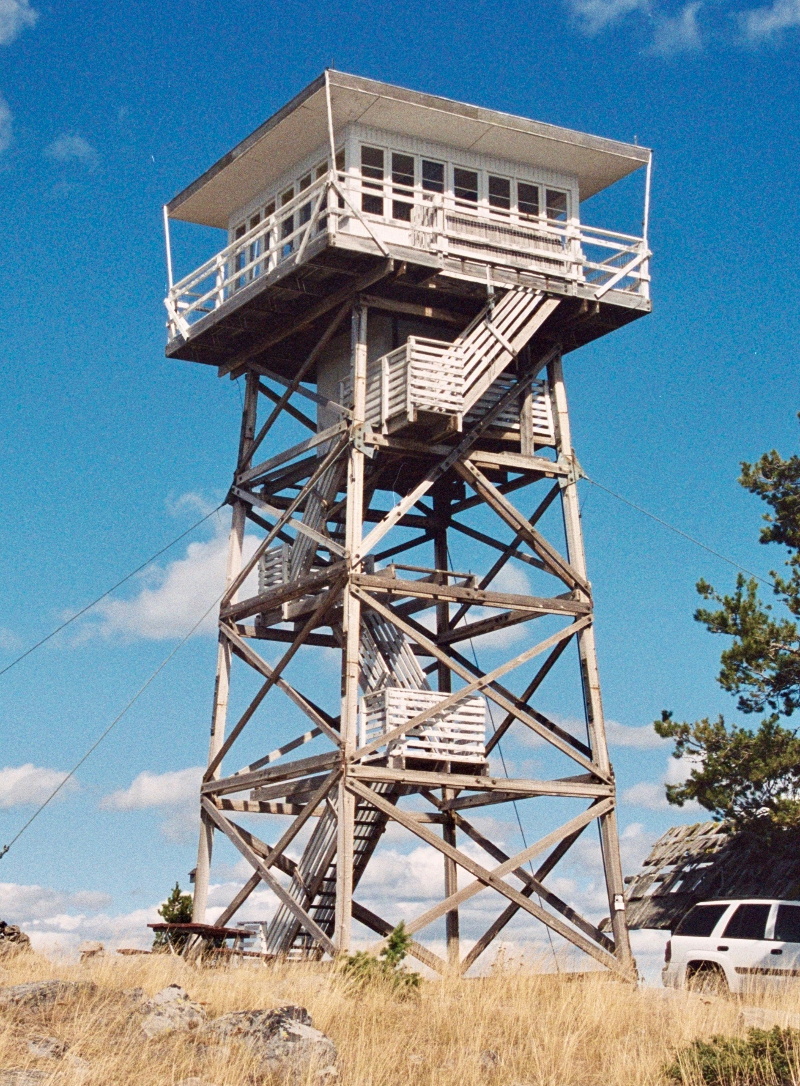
{"type": "Point", "coordinates": [590, 677]}
{"type": "Point", "coordinates": [219, 713]}
{"type": "Point", "coordinates": [351, 629]}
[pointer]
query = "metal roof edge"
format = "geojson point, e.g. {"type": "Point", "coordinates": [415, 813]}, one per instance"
{"type": "Point", "coordinates": [490, 116]}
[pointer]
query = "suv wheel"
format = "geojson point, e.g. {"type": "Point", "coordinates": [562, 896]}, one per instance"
{"type": "Point", "coordinates": [707, 978]}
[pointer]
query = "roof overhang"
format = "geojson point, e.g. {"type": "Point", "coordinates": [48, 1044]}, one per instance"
{"type": "Point", "coordinates": [301, 126]}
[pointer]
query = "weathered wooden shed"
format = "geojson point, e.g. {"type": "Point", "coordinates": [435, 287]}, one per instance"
{"type": "Point", "coordinates": [708, 861]}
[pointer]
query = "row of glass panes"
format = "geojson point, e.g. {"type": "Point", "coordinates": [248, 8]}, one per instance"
{"type": "Point", "coordinates": [392, 181]}
{"type": "Point", "coordinates": [287, 225]}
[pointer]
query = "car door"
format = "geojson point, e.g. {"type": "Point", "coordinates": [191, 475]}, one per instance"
{"type": "Point", "coordinates": [785, 948]}
{"type": "Point", "coordinates": [743, 942]}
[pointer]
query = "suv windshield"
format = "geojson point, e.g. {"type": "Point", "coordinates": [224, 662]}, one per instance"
{"type": "Point", "coordinates": [701, 920]}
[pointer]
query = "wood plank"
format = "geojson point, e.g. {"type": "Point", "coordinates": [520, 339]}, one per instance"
{"type": "Point", "coordinates": [426, 589]}
{"type": "Point", "coordinates": [241, 782]}
{"type": "Point", "coordinates": [511, 787]}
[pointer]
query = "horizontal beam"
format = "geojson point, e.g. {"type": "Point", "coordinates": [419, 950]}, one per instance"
{"type": "Point", "coordinates": [511, 787]}
{"type": "Point", "coordinates": [441, 593]}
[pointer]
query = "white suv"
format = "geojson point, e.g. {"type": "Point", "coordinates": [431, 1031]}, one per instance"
{"type": "Point", "coordinates": [734, 944]}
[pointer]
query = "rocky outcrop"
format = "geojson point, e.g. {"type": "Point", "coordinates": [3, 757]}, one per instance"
{"type": "Point", "coordinates": [12, 940]}
{"type": "Point", "coordinates": [169, 1010]}
{"type": "Point", "coordinates": [285, 1041]}
{"type": "Point", "coordinates": [44, 993]}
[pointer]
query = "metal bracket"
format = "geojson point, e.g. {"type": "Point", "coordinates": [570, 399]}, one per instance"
{"type": "Point", "coordinates": [357, 440]}
{"type": "Point", "coordinates": [572, 467]}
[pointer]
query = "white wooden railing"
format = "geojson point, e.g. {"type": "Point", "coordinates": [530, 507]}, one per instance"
{"type": "Point", "coordinates": [574, 253]}
{"type": "Point", "coordinates": [457, 733]}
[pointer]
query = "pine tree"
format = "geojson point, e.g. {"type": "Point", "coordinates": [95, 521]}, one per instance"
{"type": "Point", "coordinates": [751, 776]}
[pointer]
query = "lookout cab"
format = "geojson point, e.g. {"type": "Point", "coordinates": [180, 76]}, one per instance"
{"type": "Point", "coordinates": [423, 200]}
{"type": "Point", "coordinates": [399, 279]}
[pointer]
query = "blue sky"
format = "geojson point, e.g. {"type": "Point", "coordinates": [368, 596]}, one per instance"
{"type": "Point", "coordinates": [109, 450]}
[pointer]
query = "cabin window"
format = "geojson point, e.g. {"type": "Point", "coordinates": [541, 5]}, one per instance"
{"type": "Point", "coordinates": [287, 225]}
{"type": "Point", "coordinates": [254, 249]}
{"type": "Point", "coordinates": [499, 193]}
{"type": "Point", "coordinates": [372, 178]}
{"type": "Point", "coordinates": [269, 236]}
{"type": "Point", "coordinates": [304, 214]}
{"type": "Point", "coordinates": [240, 258]}
{"type": "Point", "coordinates": [402, 186]}
{"type": "Point", "coordinates": [465, 185]}
{"type": "Point", "coordinates": [556, 204]}
{"type": "Point", "coordinates": [432, 176]}
{"type": "Point", "coordinates": [528, 200]}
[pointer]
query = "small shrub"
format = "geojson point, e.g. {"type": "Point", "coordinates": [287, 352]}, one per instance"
{"type": "Point", "coordinates": [762, 1058]}
{"type": "Point", "coordinates": [365, 969]}
{"type": "Point", "coordinates": [177, 909]}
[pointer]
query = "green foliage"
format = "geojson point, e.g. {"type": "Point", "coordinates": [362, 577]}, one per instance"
{"type": "Point", "coordinates": [762, 1058]}
{"type": "Point", "coordinates": [739, 775]}
{"type": "Point", "coordinates": [364, 969]}
{"type": "Point", "coordinates": [751, 777]}
{"type": "Point", "coordinates": [177, 909]}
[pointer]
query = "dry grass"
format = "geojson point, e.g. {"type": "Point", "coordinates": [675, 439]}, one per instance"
{"type": "Point", "coordinates": [546, 1030]}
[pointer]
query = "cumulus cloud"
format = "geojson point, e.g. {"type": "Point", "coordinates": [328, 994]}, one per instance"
{"type": "Point", "coordinates": [15, 16]}
{"type": "Point", "coordinates": [644, 738]}
{"type": "Point", "coordinates": [5, 124]}
{"type": "Point", "coordinates": [593, 16]}
{"type": "Point", "coordinates": [651, 794]}
{"type": "Point", "coordinates": [174, 596]}
{"type": "Point", "coordinates": [29, 784]}
{"type": "Point", "coordinates": [174, 792]}
{"type": "Point", "coordinates": [72, 148]}
{"type": "Point", "coordinates": [761, 24]}
{"type": "Point", "coordinates": [679, 33]}
{"type": "Point", "coordinates": [155, 790]}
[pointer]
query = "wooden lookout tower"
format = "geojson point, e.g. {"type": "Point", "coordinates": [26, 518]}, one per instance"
{"type": "Point", "coordinates": [401, 278]}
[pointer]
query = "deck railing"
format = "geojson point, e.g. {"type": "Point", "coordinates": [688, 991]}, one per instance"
{"type": "Point", "coordinates": [574, 253]}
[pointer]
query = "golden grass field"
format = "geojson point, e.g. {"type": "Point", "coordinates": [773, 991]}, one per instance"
{"type": "Point", "coordinates": [546, 1030]}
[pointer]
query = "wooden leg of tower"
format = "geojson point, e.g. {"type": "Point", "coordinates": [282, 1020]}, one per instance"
{"type": "Point", "coordinates": [351, 622]}
{"type": "Point", "coordinates": [219, 713]}
{"type": "Point", "coordinates": [441, 561]}
{"type": "Point", "coordinates": [590, 677]}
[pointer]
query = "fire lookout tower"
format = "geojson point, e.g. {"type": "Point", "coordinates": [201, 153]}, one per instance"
{"type": "Point", "coordinates": [401, 278]}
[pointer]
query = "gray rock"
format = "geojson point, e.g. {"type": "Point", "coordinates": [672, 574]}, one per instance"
{"type": "Point", "coordinates": [489, 1058]}
{"type": "Point", "coordinates": [194, 1081]}
{"type": "Point", "coordinates": [12, 940]}
{"type": "Point", "coordinates": [26, 1078]}
{"type": "Point", "coordinates": [90, 950]}
{"type": "Point", "coordinates": [285, 1041]}
{"type": "Point", "coordinates": [44, 993]}
{"type": "Point", "coordinates": [47, 1048]}
{"type": "Point", "coordinates": [169, 1010]}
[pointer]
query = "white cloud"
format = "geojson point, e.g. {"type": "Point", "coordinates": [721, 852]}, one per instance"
{"type": "Point", "coordinates": [766, 22]}
{"type": "Point", "coordinates": [8, 639]}
{"type": "Point", "coordinates": [174, 596]}
{"type": "Point", "coordinates": [644, 738]}
{"type": "Point", "coordinates": [28, 784]}
{"type": "Point", "coordinates": [156, 790]}
{"type": "Point", "coordinates": [72, 148]}
{"type": "Point", "coordinates": [651, 794]}
{"type": "Point", "coordinates": [176, 792]}
{"type": "Point", "coordinates": [679, 33]}
{"type": "Point", "coordinates": [15, 16]}
{"type": "Point", "coordinates": [596, 15]}
{"type": "Point", "coordinates": [5, 124]}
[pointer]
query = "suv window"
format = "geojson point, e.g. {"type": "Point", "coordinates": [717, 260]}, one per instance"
{"type": "Point", "coordinates": [787, 924]}
{"type": "Point", "coordinates": [701, 920]}
{"type": "Point", "coordinates": [748, 922]}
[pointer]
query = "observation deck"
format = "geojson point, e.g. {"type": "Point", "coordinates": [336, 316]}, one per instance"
{"type": "Point", "coordinates": [419, 201]}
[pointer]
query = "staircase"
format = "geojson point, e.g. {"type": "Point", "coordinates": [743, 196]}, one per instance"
{"type": "Point", "coordinates": [434, 377]}
{"type": "Point", "coordinates": [386, 660]}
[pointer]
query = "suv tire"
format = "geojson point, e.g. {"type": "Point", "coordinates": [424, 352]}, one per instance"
{"type": "Point", "coordinates": [707, 978]}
